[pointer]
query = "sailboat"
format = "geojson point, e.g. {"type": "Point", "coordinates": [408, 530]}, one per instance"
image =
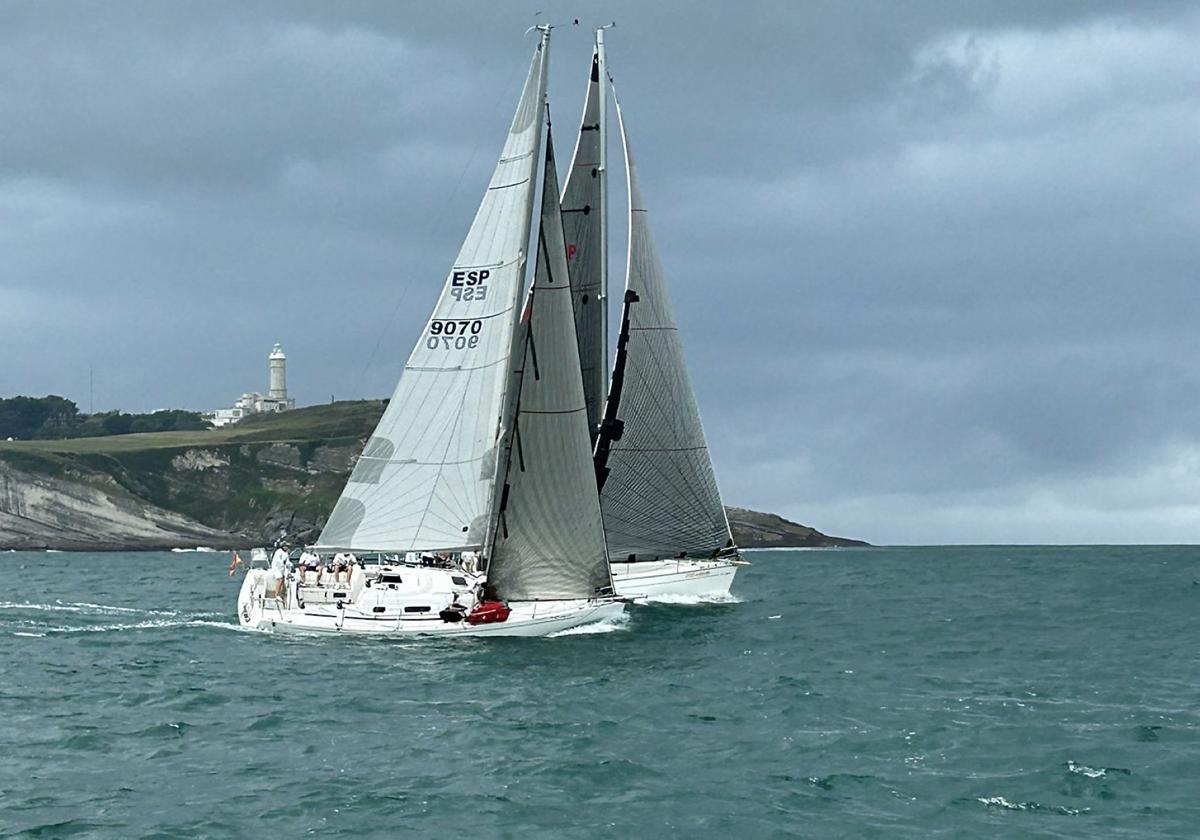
{"type": "Point", "coordinates": [664, 521]}
{"type": "Point", "coordinates": [473, 509]}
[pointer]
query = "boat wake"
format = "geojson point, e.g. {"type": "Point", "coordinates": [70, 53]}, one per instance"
{"type": "Point", "coordinates": [149, 624]}
{"type": "Point", "coordinates": [608, 625]}
{"type": "Point", "coordinates": [127, 618]}
{"type": "Point", "coordinates": [83, 607]}
{"type": "Point", "coordinates": [689, 600]}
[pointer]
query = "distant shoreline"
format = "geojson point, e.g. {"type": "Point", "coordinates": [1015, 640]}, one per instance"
{"type": "Point", "coordinates": [231, 488]}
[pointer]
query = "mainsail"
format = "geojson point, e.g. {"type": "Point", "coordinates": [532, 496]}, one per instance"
{"type": "Point", "coordinates": [426, 476]}
{"type": "Point", "coordinates": [658, 491]}
{"type": "Point", "coordinates": [585, 225]}
{"type": "Point", "coordinates": [549, 540]}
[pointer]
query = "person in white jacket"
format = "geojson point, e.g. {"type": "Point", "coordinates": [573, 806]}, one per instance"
{"type": "Point", "coordinates": [277, 574]}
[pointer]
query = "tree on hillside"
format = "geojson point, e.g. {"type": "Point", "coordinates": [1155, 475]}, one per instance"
{"type": "Point", "coordinates": [52, 417]}
{"type": "Point", "coordinates": [27, 417]}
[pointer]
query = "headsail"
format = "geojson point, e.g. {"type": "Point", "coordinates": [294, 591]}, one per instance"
{"type": "Point", "coordinates": [549, 540]}
{"type": "Point", "coordinates": [585, 225]}
{"type": "Point", "coordinates": [425, 477]}
{"type": "Point", "coordinates": [658, 491]}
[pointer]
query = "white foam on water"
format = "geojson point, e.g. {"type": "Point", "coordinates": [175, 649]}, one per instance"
{"type": "Point", "coordinates": [82, 607]}
{"type": "Point", "coordinates": [1001, 802]}
{"type": "Point", "coordinates": [201, 548]}
{"type": "Point", "coordinates": [688, 600]}
{"type": "Point", "coordinates": [608, 625]}
{"type": "Point", "coordinates": [30, 635]}
{"type": "Point", "coordinates": [221, 625]}
{"type": "Point", "coordinates": [1092, 772]}
{"type": "Point", "coordinates": [148, 624]}
{"type": "Point", "coordinates": [1084, 770]}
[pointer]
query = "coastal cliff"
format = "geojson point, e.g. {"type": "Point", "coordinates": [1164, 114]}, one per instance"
{"type": "Point", "coordinates": [232, 487]}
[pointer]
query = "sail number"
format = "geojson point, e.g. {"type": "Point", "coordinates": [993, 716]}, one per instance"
{"type": "Point", "coordinates": [469, 285]}
{"type": "Point", "coordinates": [453, 335]}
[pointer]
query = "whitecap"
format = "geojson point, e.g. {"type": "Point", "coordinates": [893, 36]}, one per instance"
{"type": "Point", "coordinates": [1001, 802]}
{"type": "Point", "coordinates": [1093, 772]}
{"type": "Point", "coordinates": [1084, 770]}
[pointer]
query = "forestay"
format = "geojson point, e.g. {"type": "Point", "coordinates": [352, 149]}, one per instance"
{"type": "Point", "coordinates": [658, 491]}
{"type": "Point", "coordinates": [584, 220]}
{"type": "Point", "coordinates": [426, 475]}
{"type": "Point", "coordinates": [549, 541]}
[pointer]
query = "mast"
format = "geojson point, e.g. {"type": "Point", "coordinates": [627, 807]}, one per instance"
{"type": "Point", "coordinates": [585, 227]}
{"type": "Point", "coordinates": [602, 67]}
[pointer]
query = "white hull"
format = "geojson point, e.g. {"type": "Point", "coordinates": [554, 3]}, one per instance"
{"type": "Point", "coordinates": [674, 578]}
{"type": "Point", "coordinates": [288, 614]}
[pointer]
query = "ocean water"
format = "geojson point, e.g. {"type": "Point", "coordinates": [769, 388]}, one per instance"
{"type": "Point", "coordinates": [912, 692]}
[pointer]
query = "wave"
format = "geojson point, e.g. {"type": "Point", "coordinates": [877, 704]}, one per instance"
{"type": "Point", "coordinates": [1093, 772]}
{"type": "Point", "coordinates": [202, 548]}
{"type": "Point", "coordinates": [1001, 802]}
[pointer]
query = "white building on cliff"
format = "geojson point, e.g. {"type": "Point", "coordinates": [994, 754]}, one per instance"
{"type": "Point", "coordinates": [255, 403]}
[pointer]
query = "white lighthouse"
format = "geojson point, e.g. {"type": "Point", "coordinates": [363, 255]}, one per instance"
{"type": "Point", "coordinates": [254, 402]}
{"type": "Point", "coordinates": [277, 362]}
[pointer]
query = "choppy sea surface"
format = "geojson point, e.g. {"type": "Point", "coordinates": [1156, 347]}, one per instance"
{"type": "Point", "coordinates": [907, 692]}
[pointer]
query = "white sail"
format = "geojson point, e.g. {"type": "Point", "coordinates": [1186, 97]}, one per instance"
{"type": "Point", "coordinates": [585, 226]}
{"type": "Point", "coordinates": [426, 475]}
{"type": "Point", "coordinates": [658, 491]}
{"type": "Point", "coordinates": [549, 540]}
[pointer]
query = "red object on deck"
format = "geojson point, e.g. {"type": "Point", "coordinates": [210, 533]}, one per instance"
{"type": "Point", "coordinates": [489, 612]}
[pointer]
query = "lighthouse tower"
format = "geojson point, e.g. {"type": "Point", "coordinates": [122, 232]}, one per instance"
{"type": "Point", "coordinates": [278, 367]}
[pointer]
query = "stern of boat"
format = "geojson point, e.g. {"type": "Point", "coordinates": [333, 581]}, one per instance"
{"type": "Point", "coordinates": [249, 603]}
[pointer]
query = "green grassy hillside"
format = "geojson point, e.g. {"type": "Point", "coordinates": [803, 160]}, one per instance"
{"type": "Point", "coordinates": [319, 423]}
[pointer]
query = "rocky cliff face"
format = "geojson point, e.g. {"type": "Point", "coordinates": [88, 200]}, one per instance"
{"type": "Point", "coordinates": [79, 510]}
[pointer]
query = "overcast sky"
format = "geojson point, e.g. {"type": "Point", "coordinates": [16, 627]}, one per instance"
{"type": "Point", "coordinates": [935, 263]}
